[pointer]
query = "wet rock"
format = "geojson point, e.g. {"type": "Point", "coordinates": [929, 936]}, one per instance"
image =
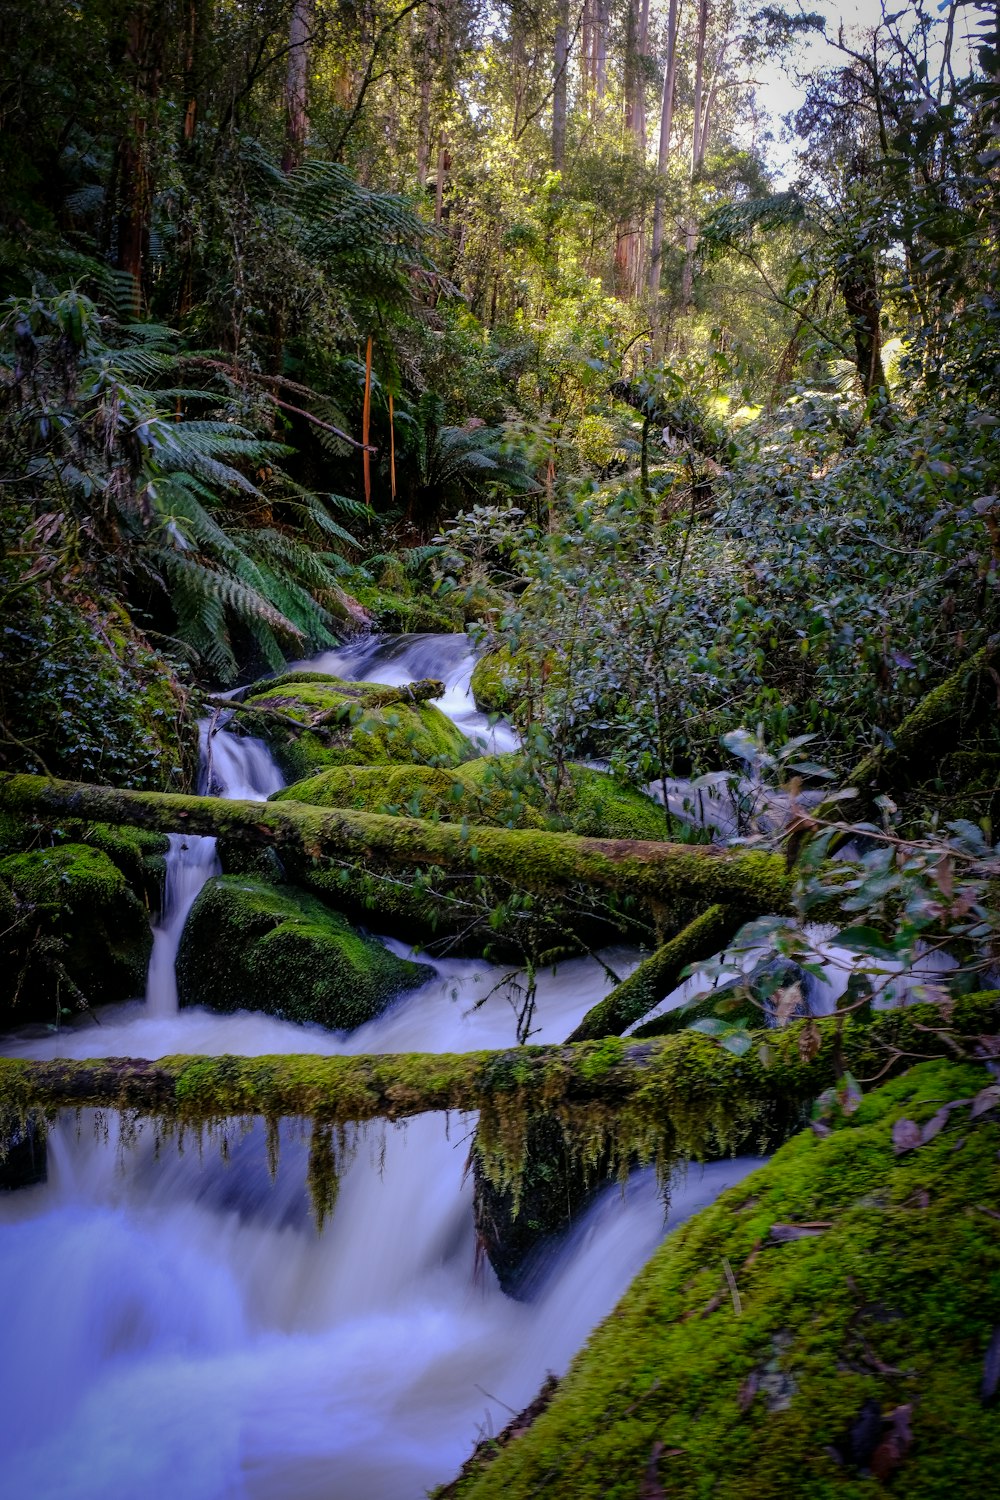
{"type": "Point", "coordinates": [248, 945]}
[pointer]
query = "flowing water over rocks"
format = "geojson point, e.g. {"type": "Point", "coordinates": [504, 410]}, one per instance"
{"type": "Point", "coordinates": [174, 1324]}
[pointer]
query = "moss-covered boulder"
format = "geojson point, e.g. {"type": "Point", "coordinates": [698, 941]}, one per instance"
{"type": "Point", "coordinates": [76, 933]}
{"type": "Point", "coordinates": [495, 791]}
{"type": "Point", "coordinates": [248, 945]}
{"type": "Point", "coordinates": [348, 724]}
{"type": "Point", "coordinates": [501, 679]}
{"type": "Point", "coordinates": [828, 1328]}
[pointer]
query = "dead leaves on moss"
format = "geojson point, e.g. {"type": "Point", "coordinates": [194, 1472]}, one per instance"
{"type": "Point", "coordinates": [908, 1136]}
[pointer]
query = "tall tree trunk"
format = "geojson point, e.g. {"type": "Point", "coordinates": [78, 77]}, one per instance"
{"type": "Point", "coordinates": [699, 85]}
{"type": "Point", "coordinates": [426, 40]}
{"type": "Point", "coordinates": [296, 84]}
{"type": "Point", "coordinates": [133, 177]}
{"type": "Point", "coordinates": [560, 79]}
{"type": "Point", "coordinates": [601, 50]}
{"type": "Point", "coordinates": [666, 129]}
{"type": "Point", "coordinates": [697, 151]}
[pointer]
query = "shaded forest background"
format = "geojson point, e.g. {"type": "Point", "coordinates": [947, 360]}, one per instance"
{"type": "Point", "coordinates": [323, 316]}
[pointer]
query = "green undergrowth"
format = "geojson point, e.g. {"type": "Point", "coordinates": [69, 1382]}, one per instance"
{"type": "Point", "coordinates": [342, 726]}
{"type": "Point", "coordinates": [248, 945]}
{"type": "Point", "coordinates": [846, 1362]}
{"type": "Point", "coordinates": [76, 934]}
{"type": "Point", "coordinates": [492, 791]}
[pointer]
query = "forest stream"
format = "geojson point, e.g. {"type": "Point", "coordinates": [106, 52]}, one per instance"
{"type": "Point", "coordinates": [175, 1325]}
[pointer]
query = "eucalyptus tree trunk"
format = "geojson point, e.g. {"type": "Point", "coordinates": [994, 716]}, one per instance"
{"type": "Point", "coordinates": [601, 49]}
{"type": "Point", "coordinates": [560, 65]}
{"type": "Point", "coordinates": [697, 149]}
{"type": "Point", "coordinates": [133, 174]}
{"type": "Point", "coordinates": [296, 84]}
{"type": "Point", "coordinates": [666, 129]}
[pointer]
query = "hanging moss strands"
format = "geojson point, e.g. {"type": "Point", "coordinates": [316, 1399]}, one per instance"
{"type": "Point", "coordinates": [666, 1100]}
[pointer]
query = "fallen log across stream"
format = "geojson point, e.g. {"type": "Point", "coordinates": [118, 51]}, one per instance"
{"type": "Point", "coordinates": [664, 874]}
{"type": "Point", "coordinates": [685, 1089]}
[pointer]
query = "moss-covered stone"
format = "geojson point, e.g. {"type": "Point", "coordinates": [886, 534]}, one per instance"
{"type": "Point", "coordinates": [79, 934]}
{"type": "Point", "coordinates": [500, 681]}
{"type": "Point", "coordinates": [248, 945]}
{"type": "Point", "coordinates": [498, 791]}
{"type": "Point", "coordinates": [342, 726]}
{"type": "Point", "coordinates": [753, 1359]}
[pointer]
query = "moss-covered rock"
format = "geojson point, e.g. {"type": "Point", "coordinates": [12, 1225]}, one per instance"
{"type": "Point", "coordinates": [498, 791]}
{"type": "Point", "coordinates": [78, 933]}
{"type": "Point", "coordinates": [248, 945]}
{"type": "Point", "coordinates": [824, 1329]}
{"type": "Point", "coordinates": [500, 681]}
{"type": "Point", "coordinates": [344, 726]}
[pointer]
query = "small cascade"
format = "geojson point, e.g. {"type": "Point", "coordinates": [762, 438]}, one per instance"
{"type": "Point", "coordinates": [396, 659]}
{"type": "Point", "coordinates": [232, 767]}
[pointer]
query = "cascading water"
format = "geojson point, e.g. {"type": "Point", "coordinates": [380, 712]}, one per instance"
{"type": "Point", "coordinates": [231, 767]}
{"type": "Point", "coordinates": [407, 658]}
{"type": "Point", "coordinates": [173, 1323]}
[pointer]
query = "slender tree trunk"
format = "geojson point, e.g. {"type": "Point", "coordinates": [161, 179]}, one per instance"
{"type": "Point", "coordinates": [697, 151]}
{"type": "Point", "coordinates": [560, 79]}
{"type": "Point", "coordinates": [439, 181]}
{"type": "Point", "coordinates": [601, 50]}
{"type": "Point", "coordinates": [666, 129]}
{"type": "Point", "coordinates": [296, 84]}
{"type": "Point", "coordinates": [134, 187]}
{"type": "Point", "coordinates": [425, 47]}
{"type": "Point", "coordinates": [699, 84]}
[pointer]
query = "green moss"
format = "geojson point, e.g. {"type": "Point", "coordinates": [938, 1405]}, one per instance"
{"type": "Point", "coordinates": [104, 706]}
{"type": "Point", "coordinates": [79, 934]}
{"type": "Point", "coordinates": [248, 945]}
{"type": "Point", "coordinates": [354, 730]}
{"type": "Point", "coordinates": [499, 680]}
{"type": "Point", "coordinates": [392, 608]}
{"type": "Point", "coordinates": [492, 791]}
{"type": "Point", "coordinates": [893, 1303]}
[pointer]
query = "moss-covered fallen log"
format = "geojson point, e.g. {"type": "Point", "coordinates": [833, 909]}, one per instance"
{"type": "Point", "coordinates": [658, 974]}
{"type": "Point", "coordinates": [661, 873]}
{"type": "Point", "coordinates": [684, 1092]}
{"type": "Point", "coordinates": [933, 729]}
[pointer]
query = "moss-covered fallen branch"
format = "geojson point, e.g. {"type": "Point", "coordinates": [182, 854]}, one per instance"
{"type": "Point", "coordinates": [930, 731]}
{"type": "Point", "coordinates": [682, 1094]}
{"type": "Point", "coordinates": [658, 974]}
{"type": "Point", "coordinates": [532, 860]}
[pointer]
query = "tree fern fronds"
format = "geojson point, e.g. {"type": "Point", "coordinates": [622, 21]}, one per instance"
{"type": "Point", "coordinates": [226, 591]}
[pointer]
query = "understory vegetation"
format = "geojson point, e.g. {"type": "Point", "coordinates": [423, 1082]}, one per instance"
{"type": "Point", "coordinates": [654, 349]}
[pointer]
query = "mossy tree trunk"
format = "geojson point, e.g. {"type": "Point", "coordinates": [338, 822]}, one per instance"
{"type": "Point", "coordinates": [685, 1088]}
{"type": "Point", "coordinates": [668, 875]}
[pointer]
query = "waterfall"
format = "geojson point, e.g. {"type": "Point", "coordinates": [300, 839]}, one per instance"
{"type": "Point", "coordinates": [231, 767]}
{"type": "Point", "coordinates": [173, 1322]}
{"type": "Point", "coordinates": [410, 658]}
